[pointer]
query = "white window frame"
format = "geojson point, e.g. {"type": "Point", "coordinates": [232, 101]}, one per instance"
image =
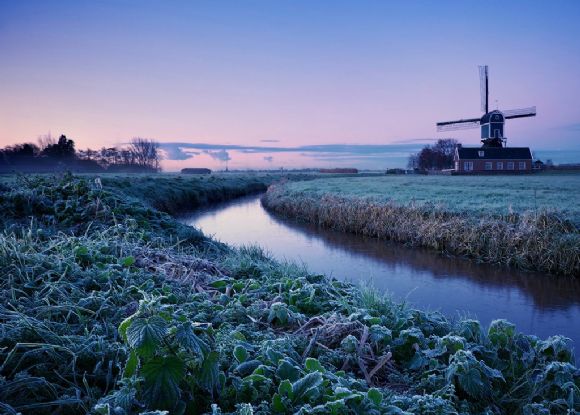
{"type": "Point", "coordinates": [510, 165]}
{"type": "Point", "coordinates": [468, 165]}
{"type": "Point", "coordinates": [522, 165]}
{"type": "Point", "coordinates": [500, 165]}
{"type": "Point", "coordinates": [488, 165]}
{"type": "Point", "coordinates": [481, 153]}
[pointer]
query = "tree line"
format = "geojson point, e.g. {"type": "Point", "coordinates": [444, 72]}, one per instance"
{"type": "Point", "coordinates": [438, 156]}
{"type": "Point", "coordinates": [49, 154]}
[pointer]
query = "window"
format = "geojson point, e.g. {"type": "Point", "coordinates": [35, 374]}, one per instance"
{"type": "Point", "coordinates": [500, 165]}
{"type": "Point", "coordinates": [480, 153]}
{"type": "Point", "coordinates": [510, 165]}
{"type": "Point", "coordinates": [468, 165]}
{"type": "Point", "coordinates": [488, 165]}
{"type": "Point", "coordinates": [522, 165]}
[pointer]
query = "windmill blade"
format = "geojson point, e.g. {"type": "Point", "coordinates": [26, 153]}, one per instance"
{"type": "Point", "coordinates": [458, 125]}
{"type": "Point", "coordinates": [520, 113]}
{"type": "Point", "coordinates": [484, 88]}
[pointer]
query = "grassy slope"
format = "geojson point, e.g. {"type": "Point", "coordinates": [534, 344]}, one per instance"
{"type": "Point", "coordinates": [103, 310]}
{"type": "Point", "coordinates": [528, 222]}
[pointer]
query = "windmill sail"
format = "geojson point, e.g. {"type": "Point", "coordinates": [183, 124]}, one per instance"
{"type": "Point", "coordinates": [458, 125]}
{"type": "Point", "coordinates": [520, 113]}
{"type": "Point", "coordinates": [484, 88]}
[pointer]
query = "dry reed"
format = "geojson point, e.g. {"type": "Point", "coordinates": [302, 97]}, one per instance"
{"type": "Point", "coordinates": [532, 241]}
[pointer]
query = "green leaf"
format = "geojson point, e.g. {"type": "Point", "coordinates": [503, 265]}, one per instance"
{"type": "Point", "coordinates": [287, 370]}
{"type": "Point", "coordinates": [285, 388]}
{"type": "Point", "coordinates": [248, 367]}
{"type": "Point", "coordinates": [131, 364]}
{"type": "Point", "coordinates": [313, 365]}
{"type": "Point", "coordinates": [472, 383]}
{"type": "Point", "coordinates": [375, 396]}
{"type": "Point", "coordinates": [240, 353]}
{"type": "Point", "coordinates": [303, 388]}
{"type": "Point", "coordinates": [209, 376]}
{"type": "Point", "coordinates": [81, 250]}
{"type": "Point", "coordinates": [124, 326]}
{"type": "Point", "coordinates": [162, 376]}
{"type": "Point", "coordinates": [145, 334]}
{"type": "Point", "coordinates": [219, 283]}
{"type": "Point", "coordinates": [501, 332]}
{"type": "Point", "coordinates": [277, 404]}
{"type": "Point", "coordinates": [128, 261]}
{"type": "Point", "coordinates": [186, 338]}
{"type": "Point", "coordinates": [254, 377]}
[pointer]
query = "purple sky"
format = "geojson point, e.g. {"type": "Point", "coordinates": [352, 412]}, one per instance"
{"type": "Point", "coordinates": [285, 74]}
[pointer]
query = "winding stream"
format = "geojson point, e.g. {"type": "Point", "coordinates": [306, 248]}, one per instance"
{"type": "Point", "coordinates": [536, 303]}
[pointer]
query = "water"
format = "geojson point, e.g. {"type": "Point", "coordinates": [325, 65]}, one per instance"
{"type": "Point", "coordinates": [536, 303]}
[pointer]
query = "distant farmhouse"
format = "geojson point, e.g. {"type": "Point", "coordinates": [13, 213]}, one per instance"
{"type": "Point", "coordinates": [493, 156]}
{"type": "Point", "coordinates": [193, 170]}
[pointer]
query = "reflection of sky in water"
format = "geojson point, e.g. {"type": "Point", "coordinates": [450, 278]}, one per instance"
{"type": "Point", "coordinates": [535, 303]}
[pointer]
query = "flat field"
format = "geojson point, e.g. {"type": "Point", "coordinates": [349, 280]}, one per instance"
{"type": "Point", "coordinates": [478, 194]}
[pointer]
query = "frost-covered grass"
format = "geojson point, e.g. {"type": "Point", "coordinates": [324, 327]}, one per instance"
{"type": "Point", "coordinates": [488, 219]}
{"type": "Point", "coordinates": [109, 306]}
{"type": "Point", "coordinates": [475, 194]}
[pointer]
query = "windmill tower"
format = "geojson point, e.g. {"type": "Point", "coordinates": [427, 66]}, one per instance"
{"type": "Point", "coordinates": [492, 122]}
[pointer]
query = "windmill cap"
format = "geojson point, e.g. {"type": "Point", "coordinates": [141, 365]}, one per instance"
{"type": "Point", "coordinates": [493, 116]}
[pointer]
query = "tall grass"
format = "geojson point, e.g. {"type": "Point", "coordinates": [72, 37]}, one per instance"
{"type": "Point", "coordinates": [532, 240]}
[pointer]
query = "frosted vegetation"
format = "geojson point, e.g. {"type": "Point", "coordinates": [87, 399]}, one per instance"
{"type": "Point", "coordinates": [477, 194]}
{"type": "Point", "coordinates": [110, 306]}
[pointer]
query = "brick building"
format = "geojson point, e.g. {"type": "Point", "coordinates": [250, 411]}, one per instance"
{"type": "Point", "coordinates": [493, 160]}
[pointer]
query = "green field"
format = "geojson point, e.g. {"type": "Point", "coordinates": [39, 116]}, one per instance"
{"type": "Point", "coordinates": [474, 194]}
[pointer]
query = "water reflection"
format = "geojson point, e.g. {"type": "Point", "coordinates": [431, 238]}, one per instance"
{"type": "Point", "coordinates": [536, 303]}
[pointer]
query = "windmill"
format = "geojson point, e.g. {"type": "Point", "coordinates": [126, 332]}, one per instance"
{"type": "Point", "coordinates": [491, 123]}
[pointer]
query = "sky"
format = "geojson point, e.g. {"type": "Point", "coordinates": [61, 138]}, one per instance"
{"type": "Point", "coordinates": [271, 84]}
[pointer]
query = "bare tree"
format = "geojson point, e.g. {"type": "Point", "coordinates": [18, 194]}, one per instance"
{"type": "Point", "coordinates": [45, 140]}
{"type": "Point", "coordinates": [145, 152]}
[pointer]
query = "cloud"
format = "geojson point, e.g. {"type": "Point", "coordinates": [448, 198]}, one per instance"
{"type": "Point", "coordinates": [321, 148]}
{"type": "Point", "coordinates": [177, 153]}
{"type": "Point", "coordinates": [269, 141]}
{"type": "Point", "coordinates": [221, 155]}
{"type": "Point", "coordinates": [367, 155]}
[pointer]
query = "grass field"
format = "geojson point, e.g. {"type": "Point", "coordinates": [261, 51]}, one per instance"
{"type": "Point", "coordinates": [528, 222]}
{"type": "Point", "coordinates": [474, 194]}
{"type": "Point", "coordinates": [110, 306]}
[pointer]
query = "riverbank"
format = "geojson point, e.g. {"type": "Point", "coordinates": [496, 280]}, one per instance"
{"type": "Point", "coordinates": [111, 306]}
{"type": "Point", "coordinates": [546, 240]}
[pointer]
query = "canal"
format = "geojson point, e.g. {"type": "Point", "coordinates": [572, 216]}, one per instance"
{"type": "Point", "coordinates": [538, 304]}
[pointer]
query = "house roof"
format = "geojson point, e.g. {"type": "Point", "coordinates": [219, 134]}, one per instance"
{"type": "Point", "coordinates": [495, 153]}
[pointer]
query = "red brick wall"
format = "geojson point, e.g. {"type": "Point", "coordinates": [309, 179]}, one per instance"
{"type": "Point", "coordinates": [479, 165]}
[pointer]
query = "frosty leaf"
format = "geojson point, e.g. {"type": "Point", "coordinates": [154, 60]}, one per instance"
{"type": "Point", "coordinates": [306, 386]}
{"type": "Point", "coordinates": [313, 365]}
{"type": "Point", "coordinates": [186, 338]}
{"type": "Point", "coordinates": [241, 353]}
{"type": "Point", "coordinates": [208, 377]}
{"type": "Point", "coordinates": [287, 370]}
{"type": "Point", "coordinates": [131, 365]}
{"type": "Point", "coordinates": [162, 376]}
{"type": "Point", "coordinates": [145, 334]}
